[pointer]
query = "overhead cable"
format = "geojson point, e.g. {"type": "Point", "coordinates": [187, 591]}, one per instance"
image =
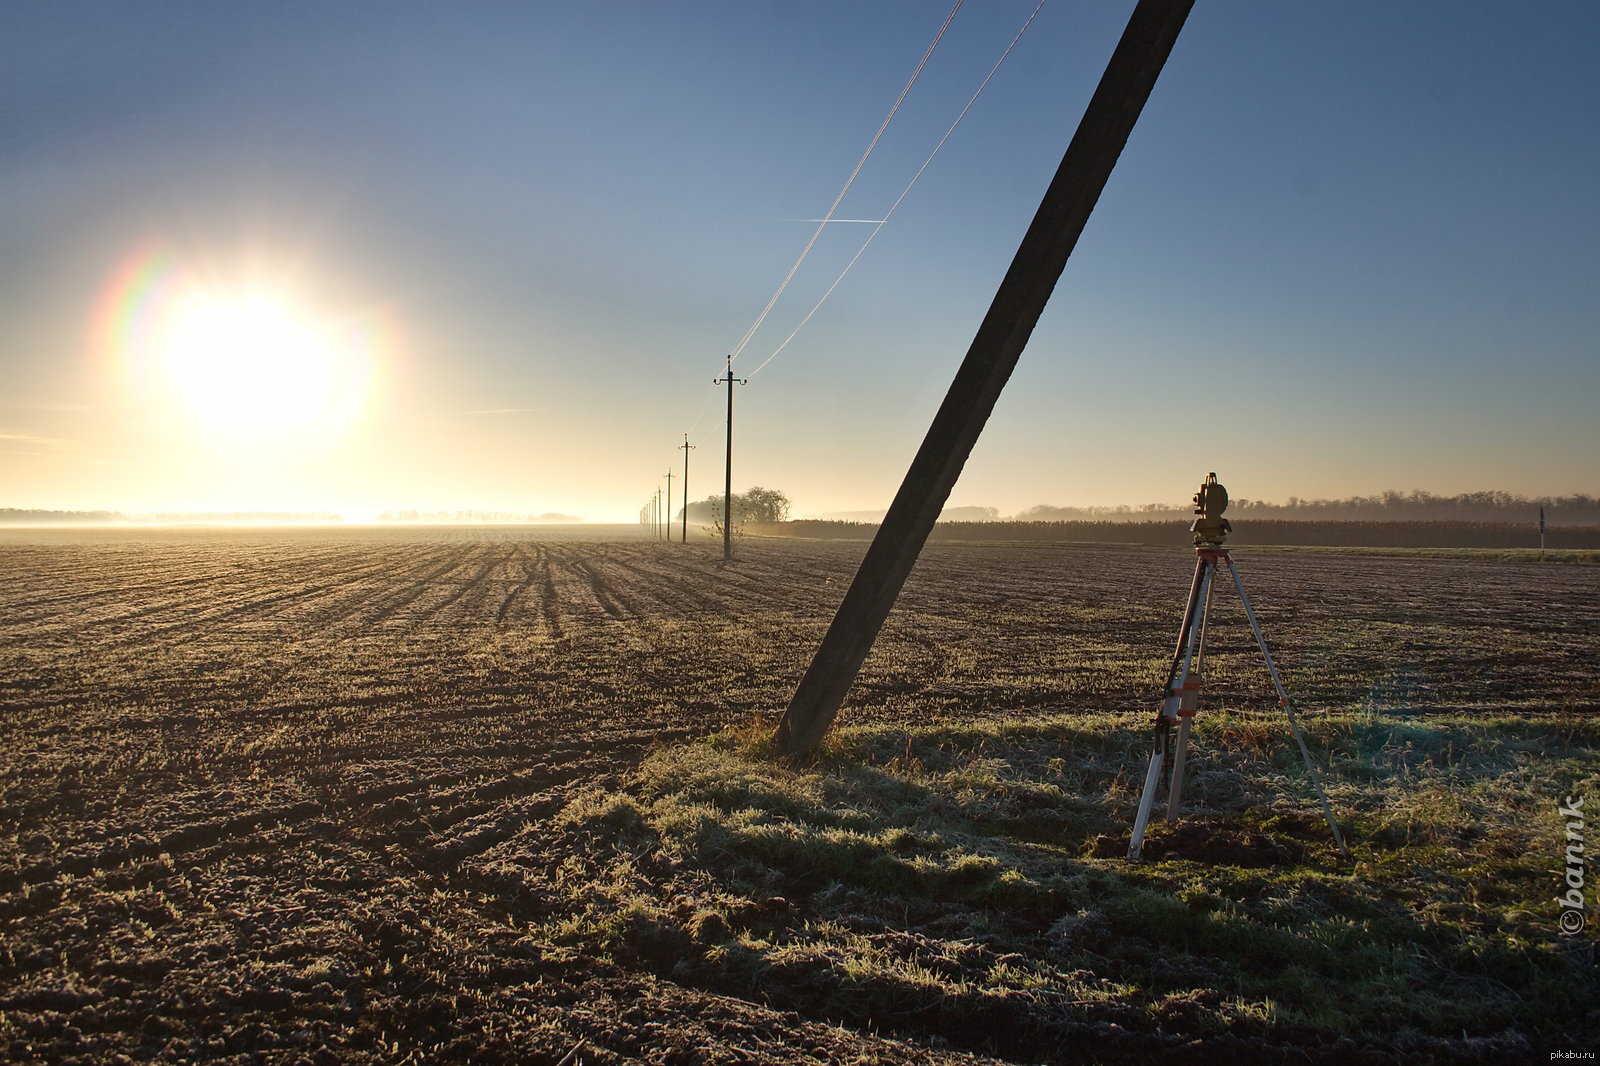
{"type": "Point", "coordinates": [702, 413]}
{"type": "Point", "coordinates": [887, 214]}
{"type": "Point", "coordinates": [823, 224]}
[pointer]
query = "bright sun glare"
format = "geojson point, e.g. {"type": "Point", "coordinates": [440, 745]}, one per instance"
{"type": "Point", "coordinates": [239, 363]}
{"type": "Point", "coordinates": [255, 362]}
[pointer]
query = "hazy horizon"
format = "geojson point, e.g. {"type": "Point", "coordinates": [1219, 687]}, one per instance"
{"type": "Point", "coordinates": [1506, 504]}
{"type": "Point", "coordinates": [350, 259]}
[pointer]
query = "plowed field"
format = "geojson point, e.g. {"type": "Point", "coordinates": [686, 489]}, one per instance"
{"type": "Point", "coordinates": [254, 782]}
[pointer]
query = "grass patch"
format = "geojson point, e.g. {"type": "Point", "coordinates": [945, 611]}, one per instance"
{"type": "Point", "coordinates": [968, 881]}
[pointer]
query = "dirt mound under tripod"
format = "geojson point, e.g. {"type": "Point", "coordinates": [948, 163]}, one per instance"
{"type": "Point", "coordinates": [1209, 842]}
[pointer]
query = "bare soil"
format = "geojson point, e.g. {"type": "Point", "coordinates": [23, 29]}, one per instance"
{"type": "Point", "coordinates": [249, 779]}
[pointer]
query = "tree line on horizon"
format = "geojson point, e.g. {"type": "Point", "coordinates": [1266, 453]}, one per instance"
{"type": "Point", "coordinates": [1274, 531]}
{"type": "Point", "coordinates": [1414, 506]}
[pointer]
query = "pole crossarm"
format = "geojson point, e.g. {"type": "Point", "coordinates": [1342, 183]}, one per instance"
{"type": "Point", "coordinates": [1108, 121]}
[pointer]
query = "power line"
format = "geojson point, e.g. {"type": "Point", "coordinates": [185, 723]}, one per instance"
{"type": "Point", "coordinates": [823, 224]}
{"type": "Point", "coordinates": [903, 192]}
{"type": "Point", "coordinates": [704, 407]}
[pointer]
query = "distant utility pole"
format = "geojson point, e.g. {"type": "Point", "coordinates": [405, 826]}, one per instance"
{"type": "Point", "coordinates": [727, 478]}
{"type": "Point", "coordinates": [659, 518]}
{"type": "Point", "coordinates": [666, 529]}
{"type": "Point", "coordinates": [1018, 303]}
{"type": "Point", "coordinates": [685, 446]}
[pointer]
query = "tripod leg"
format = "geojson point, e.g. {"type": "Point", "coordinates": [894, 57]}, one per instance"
{"type": "Point", "coordinates": [1169, 707]}
{"type": "Point", "coordinates": [1288, 706]}
{"type": "Point", "coordinates": [1152, 781]}
{"type": "Point", "coordinates": [1189, 698]}
{"type": "Point", "coordinates": [1180, 754]}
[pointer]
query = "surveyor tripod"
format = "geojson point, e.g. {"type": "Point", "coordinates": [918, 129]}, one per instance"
{"type": "Point", "coordinates": [1182, 696]}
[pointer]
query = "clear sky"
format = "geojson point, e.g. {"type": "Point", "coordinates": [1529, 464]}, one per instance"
{"type": "Point", "coordinates": [360, 256]}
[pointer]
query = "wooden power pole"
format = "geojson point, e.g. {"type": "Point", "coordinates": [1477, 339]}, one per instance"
{"type": "Point", "coordinates": [686, 446]}
{"type": "Point", "coordinates": [1107, 122]}
{"type": "Point", "coordinates": [727, 477]}
{"type": "Point", "coordinates": [666, 527]}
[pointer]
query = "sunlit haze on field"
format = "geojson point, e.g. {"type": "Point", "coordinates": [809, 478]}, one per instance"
{"type": "Point", "coordinates": [359, 258]}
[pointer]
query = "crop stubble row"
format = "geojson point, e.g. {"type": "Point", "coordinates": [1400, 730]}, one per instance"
{"type": "Point", "coordinates": [254, 781]}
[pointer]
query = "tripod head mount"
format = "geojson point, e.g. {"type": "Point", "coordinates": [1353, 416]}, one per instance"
{"type": "Point", "coordinates": [1210, 529]}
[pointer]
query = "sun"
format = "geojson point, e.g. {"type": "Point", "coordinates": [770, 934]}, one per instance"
{"type": "Point", "coordinates": [240, 361]}
{"type": "Point", "coordinates": [257, 362]}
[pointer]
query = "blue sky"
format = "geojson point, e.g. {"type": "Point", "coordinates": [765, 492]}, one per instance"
{"type": "Point", "coordinates": [1349, 248]}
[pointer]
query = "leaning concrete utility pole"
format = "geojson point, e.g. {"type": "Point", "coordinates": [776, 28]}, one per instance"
{"type": "Point", "coordinates": [1107, 122]}
{"type": "Point", "coordinates": [727, 477]}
